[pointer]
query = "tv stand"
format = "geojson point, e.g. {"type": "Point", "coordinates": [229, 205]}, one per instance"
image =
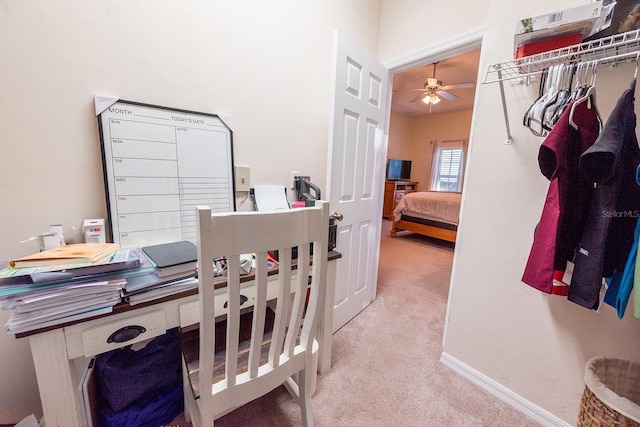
{"type": "Point", "coordinates": [393, 192]}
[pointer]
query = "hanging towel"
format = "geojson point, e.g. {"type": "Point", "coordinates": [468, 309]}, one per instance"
{"type": "Point", "coordinates": [611, 163]}
{"type": "Point", "coordinates": [568, 196]}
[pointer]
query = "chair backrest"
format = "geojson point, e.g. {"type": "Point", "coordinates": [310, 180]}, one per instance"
{"type": "Point", "coordinates": [295, 304]}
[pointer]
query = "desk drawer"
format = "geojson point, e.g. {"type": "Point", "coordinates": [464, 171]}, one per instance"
{"type": "Point", "coordinates": [123, 332]}
{"type": "Point", "coordinates": [73, 333]}
{"type": "Point", "coordinates": [190, 313]}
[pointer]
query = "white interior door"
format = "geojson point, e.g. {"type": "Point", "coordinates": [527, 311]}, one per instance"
{"type": "Point", "coordinates": [357, 153]}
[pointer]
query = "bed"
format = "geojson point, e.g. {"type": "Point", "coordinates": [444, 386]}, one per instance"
{"type": "Point", "coordinates": [430, 213]}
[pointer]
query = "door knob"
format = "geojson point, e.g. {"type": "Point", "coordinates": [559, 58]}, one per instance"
{"type": "Point", "coordinates": [337, 216]}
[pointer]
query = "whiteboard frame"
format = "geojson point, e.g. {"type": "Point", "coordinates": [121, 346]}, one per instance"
{"type": "Point", "coordinates": [109, 184]}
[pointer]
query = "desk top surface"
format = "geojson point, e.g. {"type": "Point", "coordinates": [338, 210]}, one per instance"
{"type": "Point", "coordinates": [123, 307]}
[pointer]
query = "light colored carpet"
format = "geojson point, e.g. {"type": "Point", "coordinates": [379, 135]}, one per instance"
{"type": "Point", "coordinates": [385, 362]}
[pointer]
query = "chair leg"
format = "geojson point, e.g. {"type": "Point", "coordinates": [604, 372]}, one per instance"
{"type": "Point", "coordinates": [185, 397]}
{"type": "Point", "coordinates": [304, 396]}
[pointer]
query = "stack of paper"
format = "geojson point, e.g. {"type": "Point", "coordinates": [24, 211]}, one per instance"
{"type": "Point", "coordinates": [52, 295]}
{"type": "Point", "coordinates": [176, 265]}
{"type": "Point", "coordinates": [56, 304]}
{"type": "Point", "coordinates": [49, 295]}
{"type": "Point", "coordinates": [150, 287]}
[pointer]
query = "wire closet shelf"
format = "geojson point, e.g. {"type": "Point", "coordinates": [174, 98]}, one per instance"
{"type": "Point", "coordinates": [609, 50]}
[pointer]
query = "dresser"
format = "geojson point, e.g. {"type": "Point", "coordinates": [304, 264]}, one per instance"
{"type": "Point", "coordinates": [393, 192]}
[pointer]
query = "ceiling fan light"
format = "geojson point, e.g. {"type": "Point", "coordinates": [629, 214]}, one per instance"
{"type": "Point", "coordinates": [431, 99]}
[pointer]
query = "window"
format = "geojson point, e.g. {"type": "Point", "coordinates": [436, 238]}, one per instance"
{"type": "Point", "coordinates": [447, 168]}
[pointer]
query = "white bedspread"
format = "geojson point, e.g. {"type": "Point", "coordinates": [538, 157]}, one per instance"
{"type": "Point", "coordinates": [434, 205]}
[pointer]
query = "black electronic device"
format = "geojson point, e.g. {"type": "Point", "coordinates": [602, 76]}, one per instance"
{"type": "Point", "coordinates": [398, 170]}
{"type": "Point", "coordinates": [307, 191]}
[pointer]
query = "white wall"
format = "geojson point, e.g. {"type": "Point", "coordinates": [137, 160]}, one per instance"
{"type": "Point", "coordinates": [534, 344]}
{"type": "Point", "coordinates": [407, 26]}
{"type": "Point", "coordinates": [267, 64]}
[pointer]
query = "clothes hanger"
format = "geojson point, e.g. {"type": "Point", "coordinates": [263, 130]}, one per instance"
{"type": "Point", "coordinates": [593, 84]}
{"type": "Point", "coordinates": [589, 97]}
{"type": "Point", "coordinates": [536, 115]}
{"type": "Point", "coordinates": [531, 114]}
{"type": "Point", "coordinates": [526, 120]}
{"type": "Point", "coordinates": [568, 94]}
{"type": "Point", "coordinates": [555, 97]}
{"type": "Point", "coordinates": [580, 84]}
{"type": "Point", "coordinates": [562, 100]}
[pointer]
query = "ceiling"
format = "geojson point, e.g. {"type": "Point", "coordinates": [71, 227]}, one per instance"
{"type": "Point", "coordinates": [457, 69]}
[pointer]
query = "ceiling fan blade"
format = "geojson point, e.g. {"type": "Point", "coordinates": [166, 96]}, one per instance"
{"type": "Point", "coordinates": [446, 95]}
{"type": "Point", "coordinates": [468, 85]}
{"type": "Point", "coordinates": [417, 97]}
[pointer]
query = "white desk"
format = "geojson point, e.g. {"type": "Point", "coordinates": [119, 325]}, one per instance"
{"type": "Point", "coordinates": [60, 352]}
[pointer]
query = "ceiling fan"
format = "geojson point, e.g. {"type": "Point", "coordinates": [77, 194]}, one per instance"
{"type": "Point", "coordinates": [434, 89]}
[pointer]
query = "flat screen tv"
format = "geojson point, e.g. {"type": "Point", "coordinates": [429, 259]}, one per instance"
{"type": "Point", "coordinates": [399, 170]}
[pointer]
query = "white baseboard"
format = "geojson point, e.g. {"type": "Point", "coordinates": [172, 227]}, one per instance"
{"type": "Point", "coordinates": [503, 393]}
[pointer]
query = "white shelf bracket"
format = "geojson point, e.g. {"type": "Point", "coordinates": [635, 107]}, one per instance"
{"type": "Point", "coordinates": [504, 106]}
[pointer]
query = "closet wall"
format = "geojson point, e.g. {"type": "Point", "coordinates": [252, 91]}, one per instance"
{"type": "Point", "coordinates": [527, 346]}
{"type": "Point", "coordinates": [411, 138]}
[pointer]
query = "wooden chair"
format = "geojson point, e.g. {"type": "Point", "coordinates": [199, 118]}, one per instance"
{"type": "Point", "coordinates": [219, 381]}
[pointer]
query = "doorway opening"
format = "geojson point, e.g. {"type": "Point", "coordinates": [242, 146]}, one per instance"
{"type": "Point", "coordinates": [432, 106]}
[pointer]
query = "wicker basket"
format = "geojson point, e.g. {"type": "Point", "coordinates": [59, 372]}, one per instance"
{"type": "Point", "coordinates": [612, 393]}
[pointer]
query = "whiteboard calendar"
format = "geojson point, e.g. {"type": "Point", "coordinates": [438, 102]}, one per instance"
{"type": "Point", "coordinates": [159, 163]}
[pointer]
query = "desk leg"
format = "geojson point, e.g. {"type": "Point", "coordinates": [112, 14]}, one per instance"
{"type": "Point", "coordinates": [58, 391]}
{"type": "Point", "coordinates": [325, 326]}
